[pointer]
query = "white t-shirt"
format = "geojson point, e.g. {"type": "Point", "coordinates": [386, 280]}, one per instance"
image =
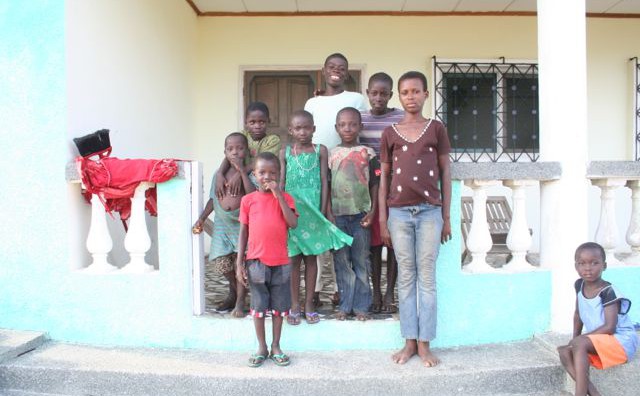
{"type": "Point", "coordinates": [325, 109]}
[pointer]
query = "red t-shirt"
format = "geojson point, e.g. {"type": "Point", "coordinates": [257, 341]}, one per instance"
{"type": "Point", "coordinates": [414, 164]}
{"type": "Point", "coordinates": [267, 228]}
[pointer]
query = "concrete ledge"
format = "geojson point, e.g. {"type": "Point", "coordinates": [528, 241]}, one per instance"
{"type": "Point", "coordinates": [13, 343]}
{"type": "Point", "coordinates": [515, 368]}
{"type": "Point", "coordinates": [609, 169]}
{"type": "Point", "coordinates": [506, 170]}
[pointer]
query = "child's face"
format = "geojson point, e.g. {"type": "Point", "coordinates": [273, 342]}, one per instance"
{"type": "Point", "coordinates": [348, 126]}
{"type": "Point", "coordinates": [589, 264]}
{"type": "Point", "coordinates": [301, 129]}
{"type": "Point", "coordinates": [379, 93]}
{"type": "Point", "coordinates": [412, 95]}
{"type": "Point", "coordinates": [256, 124]}
{"type": "Point", "coordinates": [265, 171]}
{"type": "Point", "coordinates": [335, 72]}
{"type": "Point", "coordinates": [235, 148]}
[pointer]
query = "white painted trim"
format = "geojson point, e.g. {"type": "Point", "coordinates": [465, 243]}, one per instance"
{"type": "Point", "coordinates": [305, 67]}
{"type": "Point", "coordinates": [483, 60]}
{"type": "Point", "coordinates": [193, 173]}
{"type": "Point", "coordinates": [634, 122]}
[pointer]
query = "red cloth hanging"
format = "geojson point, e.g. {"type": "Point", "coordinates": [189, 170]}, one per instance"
{"type": "Point", "coordinates": [115, 180]}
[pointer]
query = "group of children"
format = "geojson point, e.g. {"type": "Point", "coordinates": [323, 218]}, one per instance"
{"type": "Point", "coordinates": [350, 181]}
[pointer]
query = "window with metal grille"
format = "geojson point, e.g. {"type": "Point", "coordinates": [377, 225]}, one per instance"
{"type": "Point", "coordinates": [636, 118]}
{"type": "Point", "coordinates": [490, 109]}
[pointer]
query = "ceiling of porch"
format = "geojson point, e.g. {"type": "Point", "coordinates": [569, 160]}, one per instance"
{"type": "Point", "coordinates": [221, 7]}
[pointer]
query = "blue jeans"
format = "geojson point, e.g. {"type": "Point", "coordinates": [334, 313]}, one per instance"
{"type": "Point", "coordinates": [353, 266]}
{"type": "Point", "coordinates": [415, 234]}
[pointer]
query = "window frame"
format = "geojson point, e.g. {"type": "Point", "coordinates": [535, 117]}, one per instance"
{"type": "Point", "coordinates": [502, 69]}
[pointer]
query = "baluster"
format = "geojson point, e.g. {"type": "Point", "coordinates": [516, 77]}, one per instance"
{"type": "Point", "coordinates": [607, 231]}
{"type": "Point", "coordinates": [99, 241]}
{"type": "Point", "coordinates": [137, 241]}
{"type": "Point", "coordinates": [479, 240]}
{"type": "Point", "coordinates": [633, 232]}
{"type": "Point", "coordinates": [519, 238]}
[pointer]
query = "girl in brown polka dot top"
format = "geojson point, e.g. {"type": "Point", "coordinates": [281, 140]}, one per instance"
{"type": "Point", "coordinates": [415, 162]}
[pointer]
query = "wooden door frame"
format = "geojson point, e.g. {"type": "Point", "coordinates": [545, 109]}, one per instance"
{"type": "Point", "coordinates": [284, 68]}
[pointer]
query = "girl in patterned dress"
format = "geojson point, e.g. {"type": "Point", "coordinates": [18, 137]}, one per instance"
{"type": "Point", "coordinates": [305, 178]}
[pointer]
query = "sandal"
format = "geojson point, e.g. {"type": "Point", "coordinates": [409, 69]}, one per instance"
{"type": "Point", "coordinates": [312, 317]}
{"type": "Point", "coordinates": [256, 360]}
{"type": "Point", "coordinates": [293, 318]}
{"type": "Point", "coordinates": [280, 359]}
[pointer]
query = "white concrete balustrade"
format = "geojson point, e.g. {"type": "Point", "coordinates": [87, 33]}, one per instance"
{"type": "Point", "coordinates": [517, 176]}
{"type": "Point", "coordinates": [608, 176]}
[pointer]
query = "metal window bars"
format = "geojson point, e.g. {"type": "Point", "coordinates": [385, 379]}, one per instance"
{"type": "Point", "coordinates": [636, 108]}
{"type": "Point", "coordinates": [490, 109]}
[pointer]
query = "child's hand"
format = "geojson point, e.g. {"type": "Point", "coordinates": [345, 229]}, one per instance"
{"type": "Point", "coordinates": [273, 187]}
{"type": "Point", "coordinates": [235, 184]}
{"type": "Point", "coordinates": [445, 236]}
{"type": "Point", "coordinates": [367, 220]}
{"type": "Point", "coordinates": [241, 274]}
{"type": "Point", "coordinates": [197, 226]}
{"type": "Point", "coordinates": [237, 164]}
{"type": "Point", "coordinates": [386, 236]}
{"type": "Point", "coordinates": [220, 186]}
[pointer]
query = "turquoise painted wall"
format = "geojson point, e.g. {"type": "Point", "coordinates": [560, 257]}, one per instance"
{"type": "Point", "coordinates": [40, 292]}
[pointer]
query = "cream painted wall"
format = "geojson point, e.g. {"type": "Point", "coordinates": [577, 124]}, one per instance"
{"type": "Point", "coordinates": [130, 69]}
{"type": "Point", "coordinates": [227, 44]}
{"type": "Point", "coordinates": [611, 42]}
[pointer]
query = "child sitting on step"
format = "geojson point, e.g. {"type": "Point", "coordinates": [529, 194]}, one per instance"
{"type": "Point", "coordinates": [609, 338]}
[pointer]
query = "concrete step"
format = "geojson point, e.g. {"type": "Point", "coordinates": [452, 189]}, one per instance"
{"type": "Point", "coordinates": [623, 380]}
{"type": "Point", "coordinates": [523, 368]}
{"type": "Point", "coordinates": [14, 343]}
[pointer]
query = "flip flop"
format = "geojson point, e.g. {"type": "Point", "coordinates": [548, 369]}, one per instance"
{"type": "Point", "coordinates": [312, 317]}
{"type": "Point", "coordinates": [281, 359]}
{"type": "Point", "coordinates": [256, 360]}
{"type": "Point", "coordinates": [293, 318]}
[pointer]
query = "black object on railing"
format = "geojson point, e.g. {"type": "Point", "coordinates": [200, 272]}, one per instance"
{"type": "Point", "coordinates": [490, 110]}
{"type": "Point", "coordinates": [96, 143]}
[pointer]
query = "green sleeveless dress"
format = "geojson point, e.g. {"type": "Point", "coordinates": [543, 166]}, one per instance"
{"type": "Point", "coordinates": [314, 233]}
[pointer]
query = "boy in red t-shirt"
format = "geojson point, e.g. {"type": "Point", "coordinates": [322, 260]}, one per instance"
{"type": "Point", "coordinates": [265, 217]}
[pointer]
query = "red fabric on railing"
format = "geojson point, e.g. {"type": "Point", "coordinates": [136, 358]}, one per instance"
{"type": "Point", "coordinates": [115, 180]}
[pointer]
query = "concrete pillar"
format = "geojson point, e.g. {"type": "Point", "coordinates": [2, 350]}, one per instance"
{"type": "Point", "coordinates": [563, 138]}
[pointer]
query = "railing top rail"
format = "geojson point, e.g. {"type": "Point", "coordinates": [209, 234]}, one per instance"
{"type": "Point", "coordinates": [612, 169]}
{"type": "Point", "coordinates": [506, 170]}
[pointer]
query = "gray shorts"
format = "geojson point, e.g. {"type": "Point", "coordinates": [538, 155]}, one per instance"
{"type": "Point", "coordinates": [270, 288]}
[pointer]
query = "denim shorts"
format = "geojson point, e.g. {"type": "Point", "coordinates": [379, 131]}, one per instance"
{"type": "Point", "coordinates": [270, 288]}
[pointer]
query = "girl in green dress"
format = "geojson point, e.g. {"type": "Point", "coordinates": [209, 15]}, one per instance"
{"type": "Point", "coordinates": [304, 176]}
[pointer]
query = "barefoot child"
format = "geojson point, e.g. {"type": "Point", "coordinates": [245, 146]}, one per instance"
{"type": "Point", "coordinates": [256, 118]}
{"type": "Point", "coordinates": [609, 338]}
{"type": "Point", "coordinates": [374, 121]}
{"type": "Point", "coordinates": [324, 108]}
{"type": "Point", "coordinates": [354, 198]}
{"type": "Point", "coordinates": [416, 152]}
{"type": "Point", "coordinates": [224, 240]}
{"type": "Point", "coordinates": [305, 178]}
{"type": "Point", "coordinates": [265, 217]}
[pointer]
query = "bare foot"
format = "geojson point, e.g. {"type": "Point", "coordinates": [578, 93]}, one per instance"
{"type": "Point", "coordinates": [227, 304]}
{"type": "Point", "coordinates": [316, 300]}
{"type": "Point", "coordinates": [341, 315]}
{"type": "Point", "coordinates": [387, 306]}
{"type": "Point", "coordinates": [403, 355]}
{"type": "Point", "coordinates": [377, 303]}
{"type": "Point", "coordinates": [238, 311]}
{"type": "Point", "coordinates": [362, 316]}
{"type": "Point", "coordinates": [427, 357]}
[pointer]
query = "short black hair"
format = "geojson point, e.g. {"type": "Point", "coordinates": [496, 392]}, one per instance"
{"type": "Point", "coordinates": [268, 156]}
{"type": "Point", "coordinates": [591, 246]}
{"type": "Point", "coordinates": [413, 75]}
{"type": "Point", "coordinates": [351, 109]}
{"type": "Point", "coordinates": [381, 77]}
{"type": "Point", "coordinates": [336, 55]}
{"type": "Point", "coordinates": [236, 134]}
{"type": "Point", "coordinates": [257, 106]}
{"type": "Point", "coordinates": [301, 113]}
